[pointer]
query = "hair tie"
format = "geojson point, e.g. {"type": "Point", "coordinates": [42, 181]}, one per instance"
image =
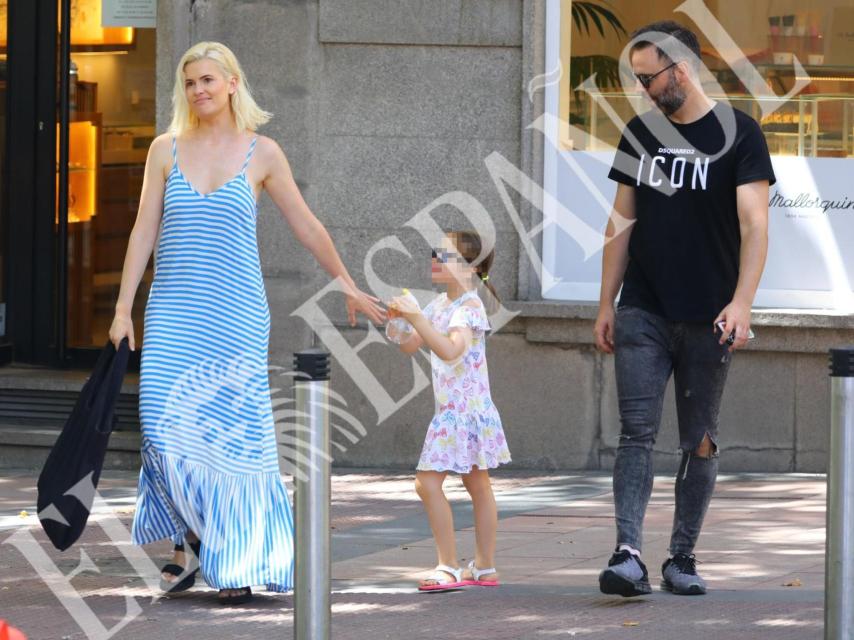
{"type": "Point", "coordinates": [484, 278]}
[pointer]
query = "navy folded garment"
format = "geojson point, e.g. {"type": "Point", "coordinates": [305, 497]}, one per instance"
{"type": "Point", "coordinates": [66, 486]}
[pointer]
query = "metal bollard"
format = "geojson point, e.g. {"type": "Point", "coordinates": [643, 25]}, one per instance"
{"type": "Point", "coordinates": [839, 549]}
{"type": "Point", "coordinates": [312, 493]}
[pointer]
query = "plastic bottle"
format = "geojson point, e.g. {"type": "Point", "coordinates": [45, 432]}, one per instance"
{"type": "Point", "coordinates": [397, 329]}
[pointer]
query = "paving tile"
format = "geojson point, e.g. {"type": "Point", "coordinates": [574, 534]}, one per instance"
{"type": "Point", "coordinates": [761, 534]}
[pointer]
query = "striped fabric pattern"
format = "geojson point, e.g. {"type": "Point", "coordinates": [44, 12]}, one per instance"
{"type": "Point", "coordinates": [209, 461]}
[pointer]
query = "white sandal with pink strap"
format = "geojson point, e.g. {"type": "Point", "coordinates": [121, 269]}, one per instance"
{"type": "Point", "coordinates": [441, 577]}
{"type": "Point", "coordinates": [477, 573]}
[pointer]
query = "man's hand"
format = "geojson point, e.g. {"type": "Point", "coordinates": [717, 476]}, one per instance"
{"type": "Point", "coordinates": [603, 330]}
{"type": "Point", "coordinates": [736, 317]}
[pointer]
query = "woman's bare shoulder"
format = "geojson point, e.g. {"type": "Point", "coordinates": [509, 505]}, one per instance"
{"type": "Point", "coordinates": [161, 148]}
{"type": "Point", "coordinates": [161, 143]}
{"type": "Point", "coordinates": [268, 147]}
{"type": "Point", "coordinates": [160, 152]}
{"type": "Point", "coordinates": [270, 156]}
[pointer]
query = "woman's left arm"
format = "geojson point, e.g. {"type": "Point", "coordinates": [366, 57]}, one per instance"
{"type": "Point", "coordinates": [280, 184]}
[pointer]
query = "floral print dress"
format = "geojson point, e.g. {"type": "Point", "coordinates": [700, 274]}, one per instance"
{"type": "Point", "coordinates": [466, 429]}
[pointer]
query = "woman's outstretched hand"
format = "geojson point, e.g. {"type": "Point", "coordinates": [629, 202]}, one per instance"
{"type": "Point", "coordinates": [360, 302]}
{"type": "Point", "coordinates": [122, 327]}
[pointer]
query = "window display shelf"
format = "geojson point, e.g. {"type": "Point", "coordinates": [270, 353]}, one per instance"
{"type": "Point", "coordinates": [84, 166]}
{"type": "Point", "coordinates": [817, 125]}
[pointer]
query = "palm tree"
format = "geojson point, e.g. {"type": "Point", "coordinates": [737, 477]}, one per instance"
{"type": "Point", "coordinates": [605, 67]}
{"type": "Point", "coordinates": [581, 11]}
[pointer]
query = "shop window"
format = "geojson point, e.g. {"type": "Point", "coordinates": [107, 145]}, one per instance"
{"type": "Point", "coordinates": [801, 57]}
{"type": "Point", "coordinates": [112, 104]}
{"type": "Point", "coordinates": [772, 34]}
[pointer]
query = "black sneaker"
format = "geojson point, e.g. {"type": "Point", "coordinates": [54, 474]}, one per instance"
{"type": "Point", "coordinates": [625, 576]}
{"type": "Point", "coordinates": [679, 575]}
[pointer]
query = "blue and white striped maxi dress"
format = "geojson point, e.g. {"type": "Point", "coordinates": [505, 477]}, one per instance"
{"type": "Point", "coordinates": [209, 462]}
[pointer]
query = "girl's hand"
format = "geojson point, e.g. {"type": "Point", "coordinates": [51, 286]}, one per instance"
{"type": "Point", "coordinates": [361, 302]}
{"type": "Point", "coordinates": [405, 307]}
{"type": "Point", "coordinates": [122, 327]}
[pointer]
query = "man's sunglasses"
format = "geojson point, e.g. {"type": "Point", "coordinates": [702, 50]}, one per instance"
{"type": "Point", "coordinates": [646, 78]}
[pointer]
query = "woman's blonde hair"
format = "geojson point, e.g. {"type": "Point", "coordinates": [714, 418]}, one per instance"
{"type": "Point", "coordinates": [247, 113]}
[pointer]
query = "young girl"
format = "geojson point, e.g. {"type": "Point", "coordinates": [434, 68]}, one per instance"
{"type": "Point", "coordinates": [465, 434]}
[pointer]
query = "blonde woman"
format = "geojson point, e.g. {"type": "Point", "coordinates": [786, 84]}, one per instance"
{"type": "Point", "coordinates": [210, 474]}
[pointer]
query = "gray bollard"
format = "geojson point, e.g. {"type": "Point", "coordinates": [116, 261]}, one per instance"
{"type": "Point", "coordinates": [839, 549]}
{"type": "Point", "coordinates": [312, 494]}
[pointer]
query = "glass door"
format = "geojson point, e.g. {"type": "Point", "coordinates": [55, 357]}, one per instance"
{"type": "Point", "coordinates": [5, 347]}
{"type": "Point", "coordinates": [110, 123]}
{"type": "Point", "coordinates": [28, 53]}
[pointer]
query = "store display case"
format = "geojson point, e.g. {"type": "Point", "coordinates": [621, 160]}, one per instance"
{"type": "Point", "coordinates": [84, 166]}
{"type": "Point", "coordinates": [817, 125]}
{"type": "Point", "coordinates": [84, 171]}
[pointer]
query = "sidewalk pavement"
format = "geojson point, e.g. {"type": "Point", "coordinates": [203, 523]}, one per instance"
{"type": "Point", "coordinates": [762, 553]}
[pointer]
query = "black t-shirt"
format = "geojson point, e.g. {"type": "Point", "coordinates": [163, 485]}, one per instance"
{"type": "Point", "coordinates": [684, 246]}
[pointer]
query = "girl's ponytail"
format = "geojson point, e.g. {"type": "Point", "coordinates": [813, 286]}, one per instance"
{"type": "Point", "coordinates": [487, 293]}
{"type": "Point", "coordinates": [469, 246]}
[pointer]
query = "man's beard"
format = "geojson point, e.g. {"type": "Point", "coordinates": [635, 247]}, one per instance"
{"type": "Point", "coordinates": [671, 98]}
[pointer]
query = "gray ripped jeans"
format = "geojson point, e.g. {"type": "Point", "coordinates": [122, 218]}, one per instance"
{"type": "Point", "coordinates": [647, 349]}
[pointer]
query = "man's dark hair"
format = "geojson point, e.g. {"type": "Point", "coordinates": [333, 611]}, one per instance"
{"type": "Point", "coordinates": [670, 29]}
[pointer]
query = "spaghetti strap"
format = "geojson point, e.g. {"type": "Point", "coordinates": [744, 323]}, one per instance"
{"type": "Point", "coordinates": [249, 154]}
{"type": "Point", "coordinates": [174, 151]}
